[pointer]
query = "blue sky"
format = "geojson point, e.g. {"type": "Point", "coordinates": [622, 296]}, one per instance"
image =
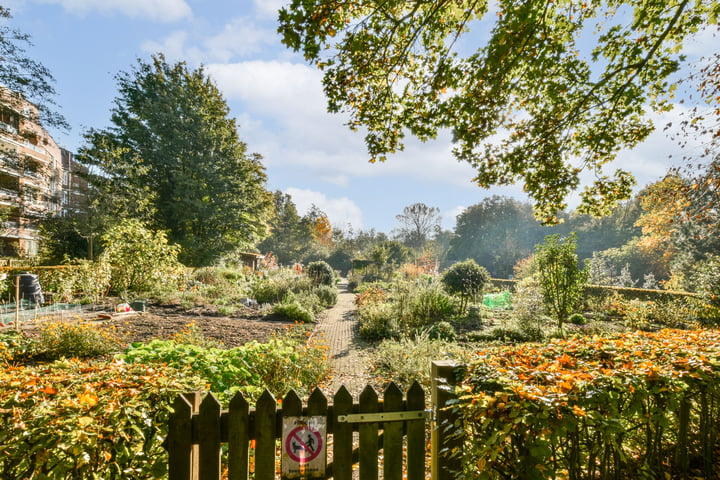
{"type": "Point", "coordinates": [277, 99]}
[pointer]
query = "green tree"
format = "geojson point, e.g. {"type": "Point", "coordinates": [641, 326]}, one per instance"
{"type": "Point", "coordinates": [465, 279]}
{"type": "Point", "coordinates": [289, 235]}
{"type": "Point", "coordinates": [400, 66]}
{"type": "Point", "coordinates": [560, 276]}
{"type": "Point", "coordinates": [496, 233]}
{"type": "Point", "coordinates": [173, 158]}
{"type": "Point", "coordinates": [24, 79]}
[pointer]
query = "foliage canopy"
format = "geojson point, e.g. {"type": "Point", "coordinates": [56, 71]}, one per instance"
{"type": "Point", "coordinates": [400, 67]}
{"type": "Point", "coordinates": [173, 159]}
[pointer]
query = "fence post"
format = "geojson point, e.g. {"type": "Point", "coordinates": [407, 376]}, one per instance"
{"type": "Point", "coordinates": [446, 449]}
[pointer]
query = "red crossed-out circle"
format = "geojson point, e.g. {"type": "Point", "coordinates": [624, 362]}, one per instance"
{"type": "Point", "coordinates": [303, 444]}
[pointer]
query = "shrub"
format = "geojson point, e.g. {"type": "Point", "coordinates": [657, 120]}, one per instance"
{"type": "Point", "coordinates": [410, 359]}
{"type": "Point", "coordinates": [442, 331]}
{"type": "Point", "coordinates": [465, 279]}
{"type": "Point", "coordinates": [628, 396]}
{"type": "Point", "coordinates": [294, 312]}
{"type": "Point", "coordinates": [79, 278]}
{"type": "Point", "coordinates": [61, 339]}
{"type": "Point", "coordinates": [423, 304]}
{"type": "Point", "coordinates": [327, 294]}
{"type": "Point", "coordinates": [377, 322]}
{"type": "Point", "coordinates": [140, 259]}
{"type": "Point", "coordinates": [320, 273]}
{"type": "Point", "coordinates": [560, 276]}
{"type": "Point", "coordinates": [76, 420]}
{"type": "Point", "coordinates": [14, 346]}
{"type": "Point", "coordinates": [577, 319]}
{"type": "Point", "coordinates": [278, 365]}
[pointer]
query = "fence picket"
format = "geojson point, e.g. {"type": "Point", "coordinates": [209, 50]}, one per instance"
{"type": "Point", "coordinates": [318, 406]}
{"type": "Point", "coordinates": [265, 427]}
{"type": "Point", "coordinates": [392, 435]}
{"type": "Point", "coordinates": [342, 436]}
{"type": "Point", "coordinates": [368, 436]}
{"type": "Point", "coordinates": [416, 434]}
{"type": "Point", "coordinates": [238, 438]}
{"type": "Point", "coordinates": [208, 424]}
{"type": "Point", "coordinates": [291, 407]}
{"type": "Point", "coordinates": [179, 442]}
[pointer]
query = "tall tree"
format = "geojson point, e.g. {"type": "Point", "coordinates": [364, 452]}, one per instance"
{"type": "Point", "coordinates": [417, 223]}
{"type": "Point", "coordinates": [24, 79]}
{"type": "Point", "coordinates": [173, 157]}
{"type": "Point", "coordinates": [289, 235]}
{"type": "Point", "coordinates": [496, 233]}
{"type": "Point", "coordinates": [395, 67]}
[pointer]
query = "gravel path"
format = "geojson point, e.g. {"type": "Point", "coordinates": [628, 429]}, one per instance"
{"type": "Point", "coordinates": [349, 355]}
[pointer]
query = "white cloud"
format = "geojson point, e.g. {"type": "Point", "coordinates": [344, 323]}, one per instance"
{"type": "Point", "coordinates": [340, 211]}
{"type": "Point", "coordinates": [158, 10]}
{"type": "Point", "coordinates": [240, 37]}
{"type": "Point", "coordinates": [269, 8]}
{"type": "Point", "coordinates": [174, 48]}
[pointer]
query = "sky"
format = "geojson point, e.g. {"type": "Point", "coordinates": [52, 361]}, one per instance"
{"type": "Point", "coordinates": [277, 99]}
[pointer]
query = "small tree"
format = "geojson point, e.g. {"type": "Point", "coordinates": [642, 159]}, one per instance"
{"type": "Point", "coordinates": [465, 279]}
{"type": "Point", "coordinates": [561, 278]}
{"type": "Point", "coordinates": [140, 259]}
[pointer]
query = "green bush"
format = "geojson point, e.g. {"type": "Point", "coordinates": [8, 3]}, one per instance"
{"type": "Point", "coordinates": [560, 276]}
{"type": "Point", "coordinates": [410, 359]}
{"type": "Point", "coordinates": [62, 339]}
{"type": "Point", "coordinates": [442, 331]}
{"type": "Point", "coordinates": [320, 273]}
{"type": "Point", "coordinates": [327, 294]}
{"type": "Point", "coordinates": [293, 311]}
{"type": "Point", "coordinates": [140, 259]}
{"type": "Point", "coordinates": [279, 365]}
{"type": "Point", "coordinates": [377, 322]}
{"type": "Point", "coordinates": [577, 319]}
{"type": "Point", "coordinates": [78, 279]}
{"type": "Point", "coordinates": [467, 280]}
{"type": "Point", "coordinates": [426, 304]}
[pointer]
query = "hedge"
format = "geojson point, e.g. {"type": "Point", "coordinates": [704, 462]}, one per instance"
{"type": "Point", "coordinates": [636, 405]}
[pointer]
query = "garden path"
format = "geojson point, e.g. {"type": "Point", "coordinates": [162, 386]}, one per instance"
{"type": "Point", "coordinates": [348, 353]}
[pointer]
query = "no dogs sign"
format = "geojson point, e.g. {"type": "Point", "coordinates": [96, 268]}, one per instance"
{"type": "Point", "coordinates": [303, 447]}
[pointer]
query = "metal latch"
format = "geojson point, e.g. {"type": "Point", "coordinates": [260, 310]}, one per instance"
{"type": "Point", "coordinates": [385, 416]}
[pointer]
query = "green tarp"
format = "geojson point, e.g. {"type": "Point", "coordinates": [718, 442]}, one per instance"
{"type": "Point", "coordinates": [498, 300]}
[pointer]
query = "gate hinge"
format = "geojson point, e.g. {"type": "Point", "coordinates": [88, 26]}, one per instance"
{"type": "Point", "coordinates": [385, 417]}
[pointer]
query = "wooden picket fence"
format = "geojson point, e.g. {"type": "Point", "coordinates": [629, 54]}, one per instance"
{"type": "Point", "coordinates": [394, 425]}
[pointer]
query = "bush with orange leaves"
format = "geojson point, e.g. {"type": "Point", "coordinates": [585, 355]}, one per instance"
{"type": "Point", "coordinates": [637, 405]}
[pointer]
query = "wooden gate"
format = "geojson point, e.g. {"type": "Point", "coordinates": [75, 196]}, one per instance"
{"type": "Point", "coordinates": [388, 433]}
{"type": "Point", "coordinates": [198, 430]}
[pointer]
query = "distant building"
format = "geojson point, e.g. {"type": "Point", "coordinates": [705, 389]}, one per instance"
{"type": "Point", "coordinates": [31, 177]}
{"type": "Point", "coordinates": [74, 185]}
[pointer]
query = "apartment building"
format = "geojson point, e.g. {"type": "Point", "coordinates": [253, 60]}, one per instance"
{"type": "Point", "coordinates": [31, 178]}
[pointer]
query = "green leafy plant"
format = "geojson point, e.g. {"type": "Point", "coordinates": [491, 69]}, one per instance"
{"type": "Point", "coordinates": [321, 273]}
{"type": "Point", "coordinates": [278, 365]}
{"type": "Point", "coordinates": [140, 259]}
{"type": "Point", "coordinates": [75, 339]}
{"type": "Point", "coordinates": [467, 280]}
{"type": "Point", "coordinates": [560, 276]}
{"type": "Point", "coordinates": [294, 311]}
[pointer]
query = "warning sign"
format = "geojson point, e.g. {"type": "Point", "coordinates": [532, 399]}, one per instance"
{"type": "Point", "coordinates": [303, 447]}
